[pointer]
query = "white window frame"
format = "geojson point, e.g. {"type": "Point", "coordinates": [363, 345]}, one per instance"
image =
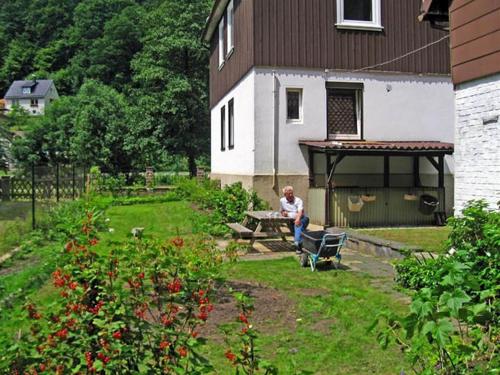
{"type": "Point", "coordinates": [374, 25]}
{"type": "Point", "coordinates": [230, 124]}
{"type": "Point", "coordinates": [221, 43]}
{"type": "Point", "coordinates": [358, 92]}
{"type": "Point", "coordinates": [26, 90]}
{"type": "Point", "coordinates": [300, 120]}
{"type": "Point", "coordinates": [230, 28]}
{"type": "Point", "coordinates": [223, 133]}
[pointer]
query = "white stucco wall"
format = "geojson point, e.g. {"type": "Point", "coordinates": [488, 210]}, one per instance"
{"type": "Point", "coordinates": [477, 146]}
{"type": "Point", "coordinates": [26, 105]}
{"type": "Point", "coordinates": [240, 160]}
{"type": "Point", "coordinates": [395, 107]}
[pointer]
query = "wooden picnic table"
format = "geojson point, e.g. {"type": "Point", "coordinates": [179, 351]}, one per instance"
{"type": "Point", "coordinates": [269, 224]}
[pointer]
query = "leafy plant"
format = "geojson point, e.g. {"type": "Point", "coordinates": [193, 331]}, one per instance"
{"type": "Point", "coordinates": [138, 310]}
{"type": "Point", "coordinates": [453, 324]}
{"type": "Point", "coordinates": [246, 359]}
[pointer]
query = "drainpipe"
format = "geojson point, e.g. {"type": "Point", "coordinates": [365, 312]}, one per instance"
{"type": "Point", "coordinates": [276, 131]}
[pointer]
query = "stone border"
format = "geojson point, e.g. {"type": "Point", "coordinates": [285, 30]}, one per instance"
{"type": "Point", "coordinates": [375, 245]}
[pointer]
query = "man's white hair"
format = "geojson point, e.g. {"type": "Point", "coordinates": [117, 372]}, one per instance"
{"type": "Point", "coordinates": [287, 188]}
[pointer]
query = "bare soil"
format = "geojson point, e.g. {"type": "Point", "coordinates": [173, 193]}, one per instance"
{"type": "Point", "coordinates": [274, 312]}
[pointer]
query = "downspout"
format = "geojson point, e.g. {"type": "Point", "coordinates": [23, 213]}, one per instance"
{"type": "Point", "coordinates": [276, 132]}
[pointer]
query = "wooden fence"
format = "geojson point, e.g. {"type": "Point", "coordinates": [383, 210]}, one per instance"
{"type": "Point", "coordinates": [44, 183]}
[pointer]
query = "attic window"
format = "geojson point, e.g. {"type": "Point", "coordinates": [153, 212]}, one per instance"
{"type": "Point", "coordinates": [359, 14]}
{"type": "Point", "coordinates": [26, 90]}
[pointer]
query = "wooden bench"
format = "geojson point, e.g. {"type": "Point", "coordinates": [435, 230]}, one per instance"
{"type": "Point", "coordinates": [248, 234]}
{"type": "Point", "coordinates": [241, 230]}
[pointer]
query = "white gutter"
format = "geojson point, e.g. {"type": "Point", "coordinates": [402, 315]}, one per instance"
{"type": "Point", "coordinates": [276, 128]}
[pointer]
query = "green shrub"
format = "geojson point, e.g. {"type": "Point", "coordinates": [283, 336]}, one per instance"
{"type": "Point", "coordinates": [138, 310]}
{"type": "Point", "coordinates": [221, 205]}
{"type": "Point", "coordinates": [453, 324]}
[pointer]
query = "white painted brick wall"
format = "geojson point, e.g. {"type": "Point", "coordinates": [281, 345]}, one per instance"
{"type": "Point", "coordinates": [477, 145]}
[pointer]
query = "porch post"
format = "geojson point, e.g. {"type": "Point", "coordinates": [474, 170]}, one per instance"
{"type": "Point", "coordinates": [441, 171]}
{"type": "Point", "coordinates": [311, 168]}
{"type": "Point", "coordinates": [387, 171]}
{"type": "Point", "coordinates": [327, 188]}
{"type": "Point", "coordinates": [416, 171]}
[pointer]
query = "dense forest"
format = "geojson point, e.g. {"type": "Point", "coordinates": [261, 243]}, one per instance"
{"type": "Point", "coordinates": [132, 75]}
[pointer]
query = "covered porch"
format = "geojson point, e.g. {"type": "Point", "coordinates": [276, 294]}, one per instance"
{"type": "Point", "coordinates": [380, 197]}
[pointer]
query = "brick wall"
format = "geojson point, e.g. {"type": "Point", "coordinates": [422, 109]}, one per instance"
{"type": "Point", "coordinates": [477, 142]}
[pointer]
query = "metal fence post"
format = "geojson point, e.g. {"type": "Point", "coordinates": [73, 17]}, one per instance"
{"type": "Point", "coordinates": [33, 196]}
{"type": "Point", "coordinates": [5, 187]}
{"type": "Point", "coordinates": [57, 182]}
{"type": "Point", "coordinates": [73, 181]}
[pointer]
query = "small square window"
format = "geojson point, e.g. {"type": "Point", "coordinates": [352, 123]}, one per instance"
{"type": "Point", "coordinates": [34, 103]}
{"type": "Point", "coordinates": [294, 105]}
{"type": "Point", "coordinates": [359, 14]}
{"type": "Point", "coordinates": [26, 90]}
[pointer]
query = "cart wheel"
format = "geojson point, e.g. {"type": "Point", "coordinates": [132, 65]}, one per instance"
{"type": "Point", "coordinates": [304, 260]}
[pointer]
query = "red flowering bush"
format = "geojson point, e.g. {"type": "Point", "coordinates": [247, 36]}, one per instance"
{"type": "Point", "coordinates": [136, 310]}
{"type": "Point", "coordinates": [246, 359]}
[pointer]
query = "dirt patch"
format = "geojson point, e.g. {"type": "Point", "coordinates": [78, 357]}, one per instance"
{"type": "Point", "coordinates": [313, 292]}
{"type": "Point", "coordinates": [9, 268]}
{"type": "Point", "coordinates": [274, 312]}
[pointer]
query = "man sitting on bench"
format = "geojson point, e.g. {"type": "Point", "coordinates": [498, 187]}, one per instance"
{"type": "Point", "coordinates": [292, 206]}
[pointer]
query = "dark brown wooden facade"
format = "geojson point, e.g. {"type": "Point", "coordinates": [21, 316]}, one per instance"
{"type": "Point", "coordinates": [475, 39]}
{"type": "Point", "coordinates": [302, 34]}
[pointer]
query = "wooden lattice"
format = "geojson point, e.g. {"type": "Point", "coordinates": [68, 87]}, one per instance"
{"type": "Point", "coordinates": [342, 112]}
{"type": "Point", "coordinates": [46, 187]}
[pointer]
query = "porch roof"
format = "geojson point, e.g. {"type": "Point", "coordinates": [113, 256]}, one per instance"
{"type": "Point", "coordinates": [380, 147]}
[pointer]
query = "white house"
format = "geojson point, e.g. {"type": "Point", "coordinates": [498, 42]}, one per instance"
{"type": "Point", "coordinates": [33, 95]}
{"type": "Point", "coordinates": [342, 99]}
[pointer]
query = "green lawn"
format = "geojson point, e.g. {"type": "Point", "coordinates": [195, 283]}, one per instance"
{"type": "Point", "coordinates": [15, 222]}
{"type": "Point", "coordinates": [328, 316]}
{"type": "Point", "coordinates": [429, 238]}
{"type": "Point", "coordinates": [159, 220]}
{"type": "Point", "coordinates": [322, 329]}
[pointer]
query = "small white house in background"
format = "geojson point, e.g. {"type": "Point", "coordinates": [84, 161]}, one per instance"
{"type": "Point", "coordinates": [33, 95]}
{"type": "Point", "coordinates": [344, 100]}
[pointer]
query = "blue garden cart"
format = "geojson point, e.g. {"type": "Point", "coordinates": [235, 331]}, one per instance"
{"type": "Point", "coordinates": [321, 244]}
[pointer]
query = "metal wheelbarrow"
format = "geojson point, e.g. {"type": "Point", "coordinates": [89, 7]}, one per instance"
{"type": "Point", "coordinates": [321, 244]}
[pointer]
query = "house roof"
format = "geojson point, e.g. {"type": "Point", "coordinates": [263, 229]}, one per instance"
{"type": "Point", "coordinates": [380, 147]}
{"type": "Point", "coordinates": [214, 18]}
{"type": "Point", "coordinates": [38, 90]}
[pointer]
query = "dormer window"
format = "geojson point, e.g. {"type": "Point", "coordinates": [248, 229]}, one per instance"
{"type": "Point", "coordinates": [26, 90]}
{"type": "Point", "coordinates": [359, 14]}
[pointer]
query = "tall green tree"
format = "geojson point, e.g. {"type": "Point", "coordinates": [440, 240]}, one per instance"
{"type": "Point", "coordinates": [111, 54]}
{"type": "Point", "coordinates": [171, 76]}
{"type": "Point", "coordinates": [101, 128]}
{"type": "Point", "coordinates": [17, 62]}
{"type": "Point", "coordinates": [49, 138]}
